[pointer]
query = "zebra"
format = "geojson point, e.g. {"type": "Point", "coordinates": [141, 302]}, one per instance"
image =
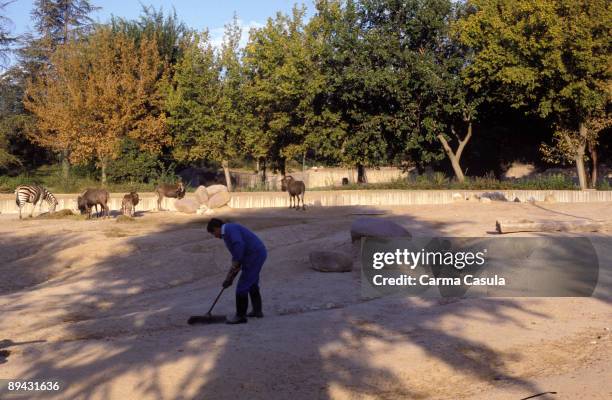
{"type": "Point", "coordinates": [34, 194]}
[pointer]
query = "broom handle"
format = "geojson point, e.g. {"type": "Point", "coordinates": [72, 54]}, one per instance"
{"type": "Point", "coordinates": [215, 302]}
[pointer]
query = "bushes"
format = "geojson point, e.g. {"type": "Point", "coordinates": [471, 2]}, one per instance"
{"type": "Point", "coordinates": [133, 165]}
{"type": "Point", "coordinates": [438, 181]}
{"type": "Point", "coordinates": [81, 178]}
{"type": "Point", "coordinates": [84, 177]}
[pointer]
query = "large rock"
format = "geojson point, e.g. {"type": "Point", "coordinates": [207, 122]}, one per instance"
{"type": "Point", "coordinates": [375, 227]}
{"type": "Point", "coordinates": [330, 261]}
{"type": "Point", "coordinates": [188, 206]}
{"type": "Point", "coordinates": [201, 195]}
{"type": "Point", "coordinates": [219, 199]}
{"type": "Point", "coordinates": [458, 197]}
{"type": "Point", "coordinates": [214, 189]}
{"type": "Point", "coordinates": [203, 210]}
{"type": "Point", "coordinates": [519, 170]}
{"type": "Point", "coordinates": [495, 196]}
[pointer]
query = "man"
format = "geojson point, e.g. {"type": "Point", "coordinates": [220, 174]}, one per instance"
{"type": "Point", "coordinates": [248, 255]}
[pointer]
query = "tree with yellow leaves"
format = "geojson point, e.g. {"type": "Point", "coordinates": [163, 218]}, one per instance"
{"type": "Point", "coordinates": [97, 92]}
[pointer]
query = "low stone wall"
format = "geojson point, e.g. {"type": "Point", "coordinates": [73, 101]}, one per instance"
{"type": "Point", "coordinates": [320, 177]}
{"type": "Point", "coordinates": [148, 201]}
{"type": "Point", "coordinates": [329, 198]}
{"type": "Point", "coordinates": [403, 197]}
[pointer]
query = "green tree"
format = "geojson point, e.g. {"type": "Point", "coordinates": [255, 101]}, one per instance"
{"type": "Point", "coordinates": [12, 117]}
{"type": "Point", "coordinates": [171, 34]}
{"type": "Point", "coordinates": [548, 57]}
{"type": "Point", "coordinates": [6, 40]}
{"type": "Point", "coordinates": [235, 121]}
{"type": "Point", "coordinates": [331, 35]}
{"type": "Point", "coordinates": [194, 105]}
{"type": "Point", "coordinates": [277, 69]}
{"type": "Point", "coordinates": [349, 124]}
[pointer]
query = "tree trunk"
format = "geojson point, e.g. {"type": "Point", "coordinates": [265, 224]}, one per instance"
{"type": "Point", "coordinates": [228, 177]}
{"type": "Point", "coordinates": [579, 157]}
{"type": "Point", "coordinates": [455, 156]}
{"type": "Point", "coordinates": [456, 167]}
{"type": "Point", "coordinates": [361, 178]}
{"type": "Point", "coordinates": [103, 170]}
{"type": "Point", "coordinates": [282, 166]}
{"type": "Point", "coordinates": [263, 171]}
{"type": "Point", "coordinates": [65, 164]}
{"type": "Point", "coordinates": [593, 154]}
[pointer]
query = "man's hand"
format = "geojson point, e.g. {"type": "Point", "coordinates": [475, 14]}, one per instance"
{"type": "Point", "coordinates": [229, 279]}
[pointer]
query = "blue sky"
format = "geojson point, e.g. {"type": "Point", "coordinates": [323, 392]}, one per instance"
{"type": "Point", "coordinates": [196, 14]}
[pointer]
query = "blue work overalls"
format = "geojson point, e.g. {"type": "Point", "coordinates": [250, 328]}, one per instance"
{"type": "Point", "coordinates": [248, 250]}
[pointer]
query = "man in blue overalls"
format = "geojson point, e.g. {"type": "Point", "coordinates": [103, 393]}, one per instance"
{"type": "Point", "coordinates": [248, 255]}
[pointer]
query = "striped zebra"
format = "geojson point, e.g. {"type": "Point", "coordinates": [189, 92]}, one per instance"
{"type": "Point", "coordinates": [34, 194]}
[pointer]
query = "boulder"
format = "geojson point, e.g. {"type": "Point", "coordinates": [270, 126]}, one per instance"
{"type": "Point", "coordinates": [458, 197]}
{"type": "Point", "coordinates": [330, 261]}
{"type": "Point", "coordinates": [376, 227]}
{"type": "Point", "coordinates": [219, 199]}
{"type": "Point", "coordinates": [519, 170]}
{"type": "Point", "coordinates": [214, 189]}
{"type": "Point", "coordinates": [203, 210]}
{"type": "Point", "coordinates": [201, 195]}
{"type": "Point", "coordinates": [517, 200]}
{"type": "Point", "coordinates": [495, 196]}
{"type": "Point", "coordinates": [188, 206]}
{"type": "Point", "coordinates": [485, 200]}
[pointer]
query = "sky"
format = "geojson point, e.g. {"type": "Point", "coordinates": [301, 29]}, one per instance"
{"type": "Point", "coordinates": [198, 14]}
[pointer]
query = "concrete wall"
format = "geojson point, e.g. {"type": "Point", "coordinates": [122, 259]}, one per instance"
{"type": "Point", "coordinates": [329, 198]}
{"type": "Point", "coordinates": [320, 177]}
{"type": "Point", "coordinates": [402, 197]}
{"type": "Point", "coordinates": [148, 201]}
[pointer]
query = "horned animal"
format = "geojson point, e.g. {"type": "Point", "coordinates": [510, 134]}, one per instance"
{"type": "Point", "coordinates": [93, 197]}
{"type": "Point", "coordinates": [162, 190]}
{"type": "Point", "coordinates": [296, 190]}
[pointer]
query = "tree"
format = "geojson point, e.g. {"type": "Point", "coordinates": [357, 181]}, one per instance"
{"type": "Point", "coordinates": [205, 105]}
{"type": "Point", "coordinates": [231, 110]}
{"type": "Point", "coordinates": [62, 20]}
{"type": "Point", "coordinates": [277, 70]}
{"type": "Point", "coordinates": [172, 35]}
{"type": "Point", "coordinates": [565, 143]}
{"type": "Point", "coordinates": [98, 93]}
{"type": "Point", "coordinates": [7, 121]}
{"type": "Point", "coordinates": [350, 123]}
{"type": "Point", "coordinates": [56, 22]}
{"type": "Point", "coordinates": [550, 58]}
{"type": "Point", "coordinates": [192, 104]}
{"type": "Point", "coordinates": [6, 40]}
{"type": "Point", "coordinates": [389, 85]}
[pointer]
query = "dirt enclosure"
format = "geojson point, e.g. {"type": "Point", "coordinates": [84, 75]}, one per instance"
{"type": "Point", "coordinates": [102, 305]}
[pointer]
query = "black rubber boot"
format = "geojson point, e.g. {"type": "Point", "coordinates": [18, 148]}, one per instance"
{"type": "Point", "coordinates": [242, 304]}
{"type": "Point", "coordinates": [255, 302]}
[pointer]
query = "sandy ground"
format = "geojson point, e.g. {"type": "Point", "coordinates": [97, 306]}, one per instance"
{"type": "Point", "coordinates": [102, 306]}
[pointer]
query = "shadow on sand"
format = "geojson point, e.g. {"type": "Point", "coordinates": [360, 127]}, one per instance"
{"type": "Point", "coordinates": [122, 321]}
